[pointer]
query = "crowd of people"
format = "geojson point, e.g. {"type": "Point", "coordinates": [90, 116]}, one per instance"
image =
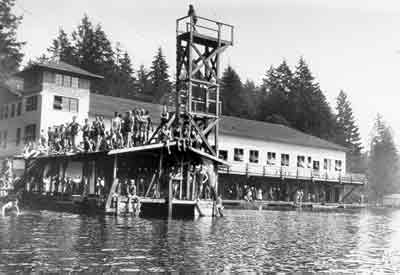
{"type": "Point", "coordinates": [258, 192]}
{"type": "Point", "coordinates": [130, 129]}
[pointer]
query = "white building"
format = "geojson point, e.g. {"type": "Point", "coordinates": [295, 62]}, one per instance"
{"type": "Point", "coordinates": [51, 94]}
{"type": "Point", "coordinates": [55, 92]}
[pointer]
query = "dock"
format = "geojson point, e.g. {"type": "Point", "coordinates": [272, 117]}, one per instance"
{"type": "Point", "coordinates": [287, 205]}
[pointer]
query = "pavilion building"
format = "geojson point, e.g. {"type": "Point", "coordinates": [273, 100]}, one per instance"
{"type": "Point", "coordinates": [265, 155]}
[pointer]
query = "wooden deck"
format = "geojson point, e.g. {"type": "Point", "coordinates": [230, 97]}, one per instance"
{"type": "Point", "coordinates": [242, 204]}
{"type": "Point", "coordinates": [204, 39]}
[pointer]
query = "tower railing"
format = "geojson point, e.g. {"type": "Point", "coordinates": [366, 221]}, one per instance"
{"type": "Point", "coordinates": [207, 27]}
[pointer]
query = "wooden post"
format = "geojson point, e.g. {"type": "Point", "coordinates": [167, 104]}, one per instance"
{"type": "Point", "coordinates": [113, 186]}
{"type": "Point", "coordinates": [181, 180]}
{"type": "Point", "coordinates": [170, 197]}
{"type": "Point", "coordinates": [160, 171]}
{"type": "Point", "coordinates": [194, 186]}
{"type": "Point", "coordinates": [216, 180]}
{"type": "Point", "coordinates": [188, 182]}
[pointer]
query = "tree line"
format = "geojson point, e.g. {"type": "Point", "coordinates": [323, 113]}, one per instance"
{"type": "Point", "coordinates": [286, 96]}
{"type": "Point", "coordinates": [89, 48]}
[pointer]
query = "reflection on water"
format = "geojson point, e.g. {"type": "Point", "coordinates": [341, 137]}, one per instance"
{"type": "Point", "coordinates": [366, 241]}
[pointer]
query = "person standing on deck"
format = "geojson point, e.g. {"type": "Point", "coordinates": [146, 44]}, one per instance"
{"type": "Point", "coordinates": [102, 129]}
{"type": "Point", "coordinates": [203, 180]}
{"type": "Point", "coordinates": [74, 126]}
{"type": "Point", "coordinates": [165, 136]}
{"type": "Point", "coordinates": [164, 116]}
{"type": "Point", "coordinates": [128, 123]}
{"type": "Point", "coordinates": [96, 132]}
{"type": "Point", "coordinates": [141, 186]}
{"type": "Point", "coordinates": [116, 128]}
{"type": "Point", "coordinates": [149, 126]}
{"type": "Point", "coordinates": [192, 14]}
{"type": "Point", "coordinates": [259, 194]}
{"type": "Point", "coordinates": [132, 197]}
{"type": "Point", "coordinates": [50, 138]}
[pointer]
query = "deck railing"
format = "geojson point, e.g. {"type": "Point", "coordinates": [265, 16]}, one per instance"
{"type": "Point", "coordinates": [291, 173]}
{"type": "Point", "coordinates": [206, 27]}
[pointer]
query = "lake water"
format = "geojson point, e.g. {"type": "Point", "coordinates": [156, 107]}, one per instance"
{"type": "Point", "coordinates": [366, 241]}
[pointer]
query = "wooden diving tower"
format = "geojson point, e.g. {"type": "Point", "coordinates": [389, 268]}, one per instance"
{"type": "Point", "coordinates": [199, 45]}
{"type": "Point", "coordinates": [169, 174]}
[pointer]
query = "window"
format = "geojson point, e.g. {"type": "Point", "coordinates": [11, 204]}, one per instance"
{"type": "Point", "coordinates": [338, 165]}
{"type": "Point", "coordinates": [83, 83]}
{"type": "Point", "coordinates": [57, 105]}
{"type": "Point", "coordinates": [223, 154]}
{"type": "Point", "coordinates": [59, 79]}
{"type": "Point", "coordinates": [1, 139]}
{"type": "Point", "coordinates": [284, 159]}
{"type": "Point", "coordinates": [31, 103]}
{"type": "Point", "coordinates": [18, 137]}
{"type": "Point", "coordinates": [12, 110]}
{"type": "Point", "coordinates": [73, 105]}
{"type": "Point", "coordinates": [19, 108]}
{"type": "Point", "coordinates": [238, 154]}
{"type": "Point", "coordinates": [30, 132]}
{"type": "Point", "coordinates": [5, 111]}
{"type": "Point", "coordinates": [66, 81]}
{"type": "Point", "coordinates": [271, 158]}
{"type": "Point", "coordinates": [301, 161]}
{"type": "Point", "coordinates": [1, 112]}
{"type": "Point", "coordinates": [316, 165]}
{"type": "Point", "coordinates": [327, 164]}
{"type": "Point", "coordinates": [309, 162]}
{"type": "Point", "coordinates": [5, 139]}
{"type": "Point", "coordinates": [253, 158]}
{"type": "Point", "coordinates": [74, 82]}
{"type": "Point", "coordinates": [65, 104]}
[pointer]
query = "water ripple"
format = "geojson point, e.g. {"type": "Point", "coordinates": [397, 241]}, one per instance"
{"type": "Point", "coordinates": [244, 241]}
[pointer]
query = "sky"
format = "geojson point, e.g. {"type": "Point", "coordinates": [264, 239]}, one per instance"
{"type": "Point", "coordinates": [352, 45]}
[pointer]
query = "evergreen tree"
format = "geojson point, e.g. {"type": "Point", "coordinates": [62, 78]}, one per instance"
{"type": "Point", "coordinates": [310, 111]}
{"type": "Point", "coordinates": [92, 47]}
{"type": "Point", "coordinates": [231, 93]}
{"type": "Point", "coordinates": [10, 48]}
{"type": "Point", "coordinates": [160, 83]}
{"type": "Point", "coordinates": [383, 162]}
{"type": "Point", "coordinates": [278, 84]}
{"type": "Point", "coordinates": [348, 133]}
{"type": "Point", "coordinates": [144, 81]}
{"type": "Point", "coordinates": [252, 98]}
{"type": "Point", "coordinates": [122, 76]}
{"type": "Point", "coordinates": [62, 49]}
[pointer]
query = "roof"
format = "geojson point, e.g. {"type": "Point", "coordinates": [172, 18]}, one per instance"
{"type": "Point", "coordinates": [273, 132]}
{"type": "Point", "coordinates": [229, 125]}
{"type": "Point", "coordinates": [61, 66]}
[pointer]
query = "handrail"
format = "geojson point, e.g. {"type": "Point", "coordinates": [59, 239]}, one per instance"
{"type": "Point", "coordinates": [206, 19]}
{"type": "Point", "coordinates": [292, 172]}
{"type": "Point", "coordinates": [228, 29]}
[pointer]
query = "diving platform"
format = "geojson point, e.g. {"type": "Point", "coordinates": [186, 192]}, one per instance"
{"type": "Point", "coordinates": [204, 40]}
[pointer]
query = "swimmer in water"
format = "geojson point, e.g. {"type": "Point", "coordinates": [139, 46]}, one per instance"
{"type": "Point", "coordinates": [219, 206]}
{"type": "Point", "coordinates": [10, 205]}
